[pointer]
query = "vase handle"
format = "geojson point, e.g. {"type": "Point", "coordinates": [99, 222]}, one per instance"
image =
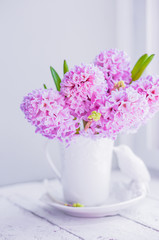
{"type": "Point", "coordinates": [49, 158]}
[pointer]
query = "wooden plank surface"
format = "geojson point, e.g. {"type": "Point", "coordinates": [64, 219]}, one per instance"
{"type": "Point", "coordinates": [147, 213]}
{"type": "Point", "coordinates": [23, 216]}
{"type": "Point", "coordinates": [113, 227]}
{"type": "Point", "coordinates": [19, 224]}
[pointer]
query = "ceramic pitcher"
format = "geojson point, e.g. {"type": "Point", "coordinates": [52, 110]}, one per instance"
{"type": "Point", "coordinates": [85, 170]}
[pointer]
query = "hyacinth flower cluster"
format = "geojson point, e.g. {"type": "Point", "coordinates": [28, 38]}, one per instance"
{"type": "Point", "coordinates": [97, 100]}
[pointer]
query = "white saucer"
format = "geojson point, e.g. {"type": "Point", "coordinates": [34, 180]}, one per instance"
{"type": "Point", "coordinates": [123, 194]}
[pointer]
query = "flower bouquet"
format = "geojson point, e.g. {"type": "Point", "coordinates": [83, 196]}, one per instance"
{"type": "Point", "coordinates": [93, 103]}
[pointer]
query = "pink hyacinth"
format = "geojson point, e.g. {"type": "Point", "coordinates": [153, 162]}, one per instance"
{"type": "Point", "coordinates": [95, 100]}
{"type": "Point", "coordinates": [123, 110]}
{"type": "Point", "coordinates": [79, 85]}
{"type": "Point", "coordinates": [149, 87]}
{"type": "Point", "coordinates": [47, 111]}
{"type": "Point", "coordinates": [115, 65]}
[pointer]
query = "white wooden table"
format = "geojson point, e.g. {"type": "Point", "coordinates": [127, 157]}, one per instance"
{"type": "Point", "coordinates": [24, 217]}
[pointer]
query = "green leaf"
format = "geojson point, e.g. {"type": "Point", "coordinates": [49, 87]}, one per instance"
{"type": "Point", "coordinates": [65, 67]}
{"type": "Point", "coordinates": [44, 86]}
{"type": "Point", "coordinates": [84, 123]}
{"type": "Point", "coordinates": [56, 78]}
{"type": "Point", "coordinates": [138, 64]}
{"type": "Point", "coordinates": [143, 67]}
{"type": "Point", "coordinates": [77, 130]}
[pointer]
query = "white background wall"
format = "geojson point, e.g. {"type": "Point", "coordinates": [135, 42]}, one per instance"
{"type": "Point", "coordinates": [35, 34]}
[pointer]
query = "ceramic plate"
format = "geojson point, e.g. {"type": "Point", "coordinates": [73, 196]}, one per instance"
{"type": "Point", "coordinates": [123, 194]}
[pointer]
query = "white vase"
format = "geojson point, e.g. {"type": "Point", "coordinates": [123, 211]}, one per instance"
{"type": "Point", "coordinates": [85, 172]}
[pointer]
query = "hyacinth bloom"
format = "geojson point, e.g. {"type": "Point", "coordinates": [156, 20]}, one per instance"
{"type": "Point", "coordinates": [95, 100]}
{"type": "Point", "coordinates": [79, 85]}
{"type": "Point", "coordinates": [115, 65]}
{"type": "Point", "coordinates": [47, 111]}
{"type": "Point", "coordinates": [123, 110]}
{"type": "Point", "coordinates": [149, 87]}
